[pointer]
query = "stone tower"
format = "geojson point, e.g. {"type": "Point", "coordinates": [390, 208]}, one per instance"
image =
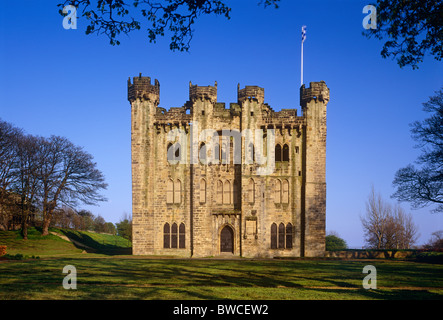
{"type": "Point", "coordinates": [218, 196]}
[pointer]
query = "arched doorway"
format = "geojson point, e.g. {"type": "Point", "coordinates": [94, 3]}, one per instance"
{"type": "Point", "coordinates": [227, 240]}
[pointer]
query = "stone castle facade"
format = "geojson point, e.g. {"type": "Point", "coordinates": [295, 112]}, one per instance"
{"type": "Point", "coordinates": [224, 203]}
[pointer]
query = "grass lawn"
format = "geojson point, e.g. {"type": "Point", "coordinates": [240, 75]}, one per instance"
{"type": "Point", "coordinates": [137, 278]}
{"type": "Point", "coordinates": [108, 271]}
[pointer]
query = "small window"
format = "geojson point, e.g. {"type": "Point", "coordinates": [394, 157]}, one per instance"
{"type": "Point", "coordinates": [252, 114]}
{"type": "Point", "coordinates": [177, 191]}
{"type": "Point", "coordinates": [285, 192]}
{"type": "Point", "coordinates": [281, 236]}
{"type": "Point", "coordinates": [285, 153]}
{"type": "Point", "coordinates": [166, 236]}
{"type": "Point", "coordinates": [202, 154]}
{"type": "Point", "coordinates": [174, 236]}
{"type": "Point", "coordinates": [289, 236]}
{"type": "Point", "coordinates": [181, 236]}
{"type": "Point", "coordinates": [273, 236]}
{"type": "Point", "coordinates": [278, 152]}
{"type": "Point", "coordinates": [297, 149]}
{"type": "Point", "coordinates": [170, 191]}
{"type": "Point", "coordinates": [277, 191]}
{"type": "Point", "coordinates": [219, 195]}
{"type": "Point", "coordinates": [203, 112]}
{"type": "Point", "coordinates": [227, 192]}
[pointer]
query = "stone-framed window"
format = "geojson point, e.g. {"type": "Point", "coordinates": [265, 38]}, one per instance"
{"type": "Point", "coordinates": [281, 191]}
{"type": "Point", "coordinates": [173, 191]}
{"type": "Point", "coordinates": [227, 192]}
{"type": "Point", "coordinates": [173, 236]}
{"type": "Point", "coordinates": [181, 236]}
{"type": "Point", "coordinates": [281, 236]}
{"type": "Point", "coordinates": [166, 236]}
{"type": "Point", "coordinates": [281, 153]}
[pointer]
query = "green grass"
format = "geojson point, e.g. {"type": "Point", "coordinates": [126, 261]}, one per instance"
{"type": "Point", "coordinates": [52, 245]}
{"type": "Point", "coordinates": [119, 277]}
{"type": "Point", "coordinates": [111, 273]}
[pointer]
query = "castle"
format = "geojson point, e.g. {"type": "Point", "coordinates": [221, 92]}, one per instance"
{"type": "Point", "coordinates": [255, 186]}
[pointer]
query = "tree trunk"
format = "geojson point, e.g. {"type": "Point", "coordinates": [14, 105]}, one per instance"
{"type": "Point", "coordinates": [45, 226]}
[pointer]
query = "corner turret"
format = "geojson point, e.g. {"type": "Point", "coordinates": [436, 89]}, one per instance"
{"type": "Point", "coordinates": [141, 88]}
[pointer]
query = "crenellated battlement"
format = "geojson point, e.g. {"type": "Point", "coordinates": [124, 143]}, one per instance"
{"type": "Point", "coordinates": [203, 92]}
{"type": "Point", "coordinates": [142, 88]}
{"type": "Point", "coordinates": [317, 90]}
{"type": "Point", "coordinates": [250, 92]}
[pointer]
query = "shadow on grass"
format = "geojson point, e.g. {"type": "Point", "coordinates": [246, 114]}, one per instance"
{"type": "Point", "coordinates": [83, 241]}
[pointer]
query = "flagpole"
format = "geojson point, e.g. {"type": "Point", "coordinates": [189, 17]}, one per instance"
{"type": "Point", "coordinates": [303, 38]}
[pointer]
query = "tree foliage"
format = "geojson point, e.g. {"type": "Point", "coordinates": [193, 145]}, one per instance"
{"type": "Point", "coordinates": [423, 186]}
{"type": "Point", "coordinates": [113, 17]}
{"type": "Point", "coordinates": [334, 242]}
{"type": "Point", "coordinates": [411, 27]}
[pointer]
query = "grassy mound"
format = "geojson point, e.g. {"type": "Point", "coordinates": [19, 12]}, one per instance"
{"type": "Point", "coordinates": [74, 242]}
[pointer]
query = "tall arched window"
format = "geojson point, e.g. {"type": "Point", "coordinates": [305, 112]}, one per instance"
{"type": "Point", "coordinates": [278, 152]}
{"type": "Point", "coordinates": [219, 195]}
{"type": "Point", "coordinates": [289, 236]}
{"type": "Point", "coordinates": [170, 191]}
{"type": "Point", "coordinates": [202, 191]}
{"type": "Point", "coordinates": [251, 191]}
{"type": "Point", "coordinates": [281, 236]}
{"type": "Point", "coordinates": [177, 191]}
{"type": "Point", "coordinates": [285, 152]}
{"type": "Point", "coordinates": [227, 192]}
{"type": "Point", "coordinates": [166, 236]}
{"type": "Point", "coordinates": [174, 237]}
{"type": "Point", "coordinates": [170, 152]}
{"type": "Point", "coordinates": [277, 191]}
{"type": "Point", "coordinates": [285, 192]}
{"type": "Point", "coordinates": [273, 236]}
{"type": "Point", "coordinates": [250, 154]}
{"type": "Point", "coordinates": [202, 154]}
{"type": "Point", "coordinates": [181, 236]}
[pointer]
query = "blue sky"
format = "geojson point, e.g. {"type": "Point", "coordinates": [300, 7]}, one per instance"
{"type": "Point", "coordinates": [62, 82]}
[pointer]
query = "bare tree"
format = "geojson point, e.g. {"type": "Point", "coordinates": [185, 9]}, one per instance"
{"type": "Point", "coordinates": [376, 220]}
{"type": "Point", "coordinates": [387, 227]}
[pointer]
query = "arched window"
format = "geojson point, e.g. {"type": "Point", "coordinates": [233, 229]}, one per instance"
{"type": "Point", "coordinates": [181, 236]}
{"type": "Point", "coordinates": [170, 152]}
{"type": "Point", "coordinates": [281, 236]}
{"type": "Point", "coordinates": [216, 153]}
{"type": "Point", "coordinates": [219, 195]}
{"type": "Point", "coordinates": [289, 236]}
{"type": "Point", "coordinates": [250, 154]}
{"type": "Point", "coordinates": [177, 191]}
{"type": "Point", "coordinates": [177, 151]}
{"type": "Point", "coordinates": [278, 152]}
{"type": "Point", "coordinates": [202, 191]}
{"type": "Point", "coordinates": [170, 191]}
{"type": "Point", "coordinates": [273, 236]}
{"type": "Point", "coordinates": [251, 191]}
{"type": "Point", "coordinates": [227, 192]}
{"type": "Point", "coordinates": [202, 154]}
{"type": "Point", "coordinates": [166, 236]}
{"type": "Point", "coordinates": [277, 191]}
{"type": "Point", "coordinates": [285, 152]}
{"type": "Point", "coordinates": [285, 192]}
{"type": "Point", "coordinates": [174, 236]}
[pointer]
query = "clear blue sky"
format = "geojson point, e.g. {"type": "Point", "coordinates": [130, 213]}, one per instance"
{"type": "Point", "coordinates": [62, 82]}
